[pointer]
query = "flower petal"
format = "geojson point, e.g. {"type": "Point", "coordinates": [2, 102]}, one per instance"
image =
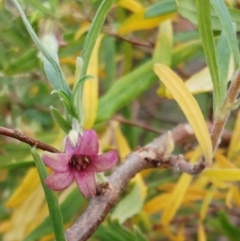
{"type": "Point", "coordinates": [89, 143]}
{"type": "Point", "coordinates": [86, 182]}
{"type": "Point", "coordinates": [59, 180]}
{"type": "Point", "coordinates": [57, 161]}
{"type": "Point", "coordinates": [68, 145]}
{"type": "Point", "coordinates": [105, 161]}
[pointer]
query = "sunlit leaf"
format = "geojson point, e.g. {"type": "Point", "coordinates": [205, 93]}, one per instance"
{"type": "Point", "coordinates": [178, 194]}
{"type": "Point", "coordinates": [201, 232]}
{"type": "Point", "coordinates": [229, 175]}
{"type": "Point", "coordinates": [206, 202]}
{"type": "Point", "coordinates": [138, 22]}
{"type": "Point", "coordinates": [189, 106]}
{"type": "Point", "coordinates": [90, 91]}
{"type": "Point", "coordinates": [131, 5]}
{"type": "Point", "coordinates": [234, 146]}
{"type": "Point", "coordinates": [29, 184]}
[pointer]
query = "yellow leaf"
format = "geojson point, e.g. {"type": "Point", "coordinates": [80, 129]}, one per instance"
{"type": "Point", "coordinates": [90, 91]}
{"type": "Point", "coordinates": [234, 146]}
{"type": "Point", "coordinates": [181, 233]}
{"type": "Point", "coordinates": [83, 28]}
{"type": "Point", "coordinates": [176, 198]}
{"type": "Point", "coordinates": [201, 232]}
{"type": "Point", "coordinates": [207, 200]}
{"type": "Point", "coordinates": [189, 106]}
{"type": "Point", "coordinates": [29, 209]}
{"type": "Point", "coordinates": [222, 161]}
{"type": "Point", "coordinates": [3, 175]}
{"type": "Point", "coordinates": [228, 199]}
{"type": "Point", "coordinates": [236, 195]}
{"type": "Point", "coordinates": [124, 150]}
{"type": "Point", "coordinates": [229, 175]}
{"type": "Point", "coordinates": [201, 81]}
{"type": "Point", "coordinates": [138, 22]}
{"type": "Point", "coordinates": [5, 226]}
{"type": "Point", "coordinates": [131, 5]}
{"type": "Point", "coordinates": [28, 185]}
{"type": "Point", "coordinates": [157, 204]}
{"type": "Point", "coordinates": [178, 193]}
{"type": "Point", "coordinates": [122, 144]}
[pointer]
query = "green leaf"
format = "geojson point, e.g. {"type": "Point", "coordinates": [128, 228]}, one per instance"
{"type": "Point", "coordinates": [51, 66]}
{"type": "Point", "coordinates": [93, 33]}
{"type": "Point", "coordinates": [68, 210]}
{"type": "Point", "coordinates": [113, 231]}
{"type": "Point", "coordinates": [38, 5]}
{"type": "Point", "coordinates": [125, 208]}
{"type": "Point", "coordinates": [65, 100]}
{"type": "Point", "coordinates": [223, 59]}
{"type": "Point", "coordinates": [205, 30]}
{"type": "Point", "coordinates": [184, 51]}
{"type": "Point", "coordinates": [125, 89]}
{"type": "Point", "coordinates": [51, 198]}
{"type": "Point", "coordinates": [227, 26]}
{"type": "Point", "coordinates": [161, 8]}
{"type": "Point", "coordinates": [231, 231]}
{"type": "Point", "coordinates": [128, 87]}
{"type": "Point", "coordinates": [187, 8]}
{"type": "Point", "coordinates": [65, 126]}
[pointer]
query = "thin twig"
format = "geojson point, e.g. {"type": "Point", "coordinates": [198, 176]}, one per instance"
{"type": "Point", "coordinates": [26, 139]}
{"type": "Point", "coordinates": [131, 41]}
{"type": "Point", "coordinates": [137, 124]}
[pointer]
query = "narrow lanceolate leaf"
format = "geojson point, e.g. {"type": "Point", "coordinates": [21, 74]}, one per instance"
{"type": "Point", "coordinates": [205, 30]}
{"type": "Point", "coordinates": [65, 126]}
{"type": "Point", "coordinates": [189, 106]}
{"type": "Point", "coordinates": [178, 193]}
{"type": "Point", "coordinates": [131, 5]}
{"type": "Point", "coordinates": [206, 202]}
{"type": "Point", "coordinates": [53, 206]}
{"type": "Point", "coordinates": [176, 198]}
{"type": "Point", "coordinates": [228, 174]}
{"type": "Point", "coordinates": [161, 8]}
{"type": "Point", "coordinates": [138, 22]}
{"type": "Point", "coordinates": [93, 33]}
{"type": "Point", "coordinates": [52, 67]}
{"type": "Point", "coordinates": [228, 27]}
{"type": "Point", "coordinates": [201, 232]}
{"type": "Point", "coordinates": [163, 49]}
{"type": "Point", "coordinates": [90, 90]}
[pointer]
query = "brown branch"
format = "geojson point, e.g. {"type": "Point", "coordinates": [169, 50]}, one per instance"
{"type": "Point", "coordinates": [221, 118]}
{"type": "Point", "coordinates": [24, 138]}
{"type": "Point", "coordinates": [152, 155]}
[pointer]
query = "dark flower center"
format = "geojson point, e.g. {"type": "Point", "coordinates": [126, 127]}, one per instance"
{"type": "Point", "coordinates": [79, 161]}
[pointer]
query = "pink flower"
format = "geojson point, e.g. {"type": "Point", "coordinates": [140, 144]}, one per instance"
{"type": "Point", "coordinates": [79, 163]}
